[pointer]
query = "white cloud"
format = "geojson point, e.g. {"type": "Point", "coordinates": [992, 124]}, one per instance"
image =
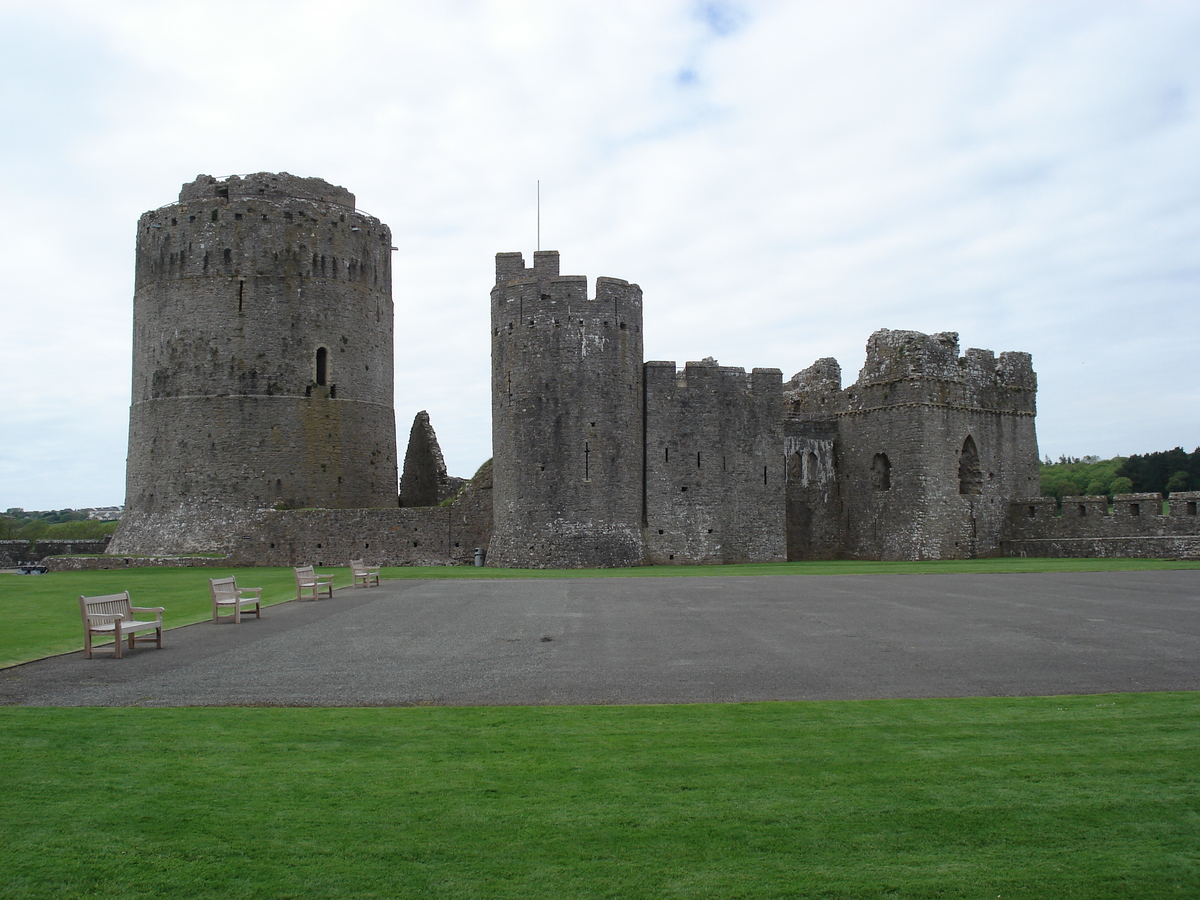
{"type": "Point", "coordinates": [781, 179]}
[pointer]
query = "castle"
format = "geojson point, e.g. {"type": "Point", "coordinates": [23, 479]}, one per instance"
{"type": "Point", "coordinates": [262, 424]}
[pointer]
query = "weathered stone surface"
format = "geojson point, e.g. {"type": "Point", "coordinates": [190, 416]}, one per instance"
{"type": "Point", "coordinates": [263, 363]}
{"type": "Point", "coordinates": [1135, 526]}
{"type": "Point", "coordinates": [713, 480]}
{"type": "Point", "coordinates": [916, 460]}
{"type": "Point", "coordinates": [424, 481]}
{"type": "Point", "coordinates": [567, 437]}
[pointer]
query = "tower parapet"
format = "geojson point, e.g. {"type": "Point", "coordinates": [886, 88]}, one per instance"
{"type": "Point", "coordinates": [566, 417]}
{"type": "Point", "coordinates": [262, 360]}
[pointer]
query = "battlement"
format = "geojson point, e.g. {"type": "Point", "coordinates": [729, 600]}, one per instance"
{"type": "Point", "coordinates": [901, 355]}
{"type": "Point", "coordinates": [530, 289]}
{"type": "Point", "coordinates": [702, 375]}
{"type": "Point", "coordinates": [266, 185]}
{"type": "Point", "coordinates": [908, 368]}
{"type": "Point", "coordinates": [511, 266]}
{"type": "Point", "coordinates": [1132, 525]}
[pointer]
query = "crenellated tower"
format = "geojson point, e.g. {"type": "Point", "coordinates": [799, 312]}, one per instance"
{"type": "Point", "coordinates": [567, 428]}
{"type": "Point", "coordinates": [262, 360]}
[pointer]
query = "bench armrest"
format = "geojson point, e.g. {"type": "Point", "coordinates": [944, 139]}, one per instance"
{"type": "Point", "coordinates": [257, 592]}
{"type": "Point", "coordinates": [153, 609]}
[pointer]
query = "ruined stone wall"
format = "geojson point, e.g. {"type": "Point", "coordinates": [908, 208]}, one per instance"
{"type": "Point", "coordinates": [18, 551]}
{"type": "Point", "coordinates": [932, 447]}
{"type": "Point", "coordinates": [713, 474]}
{"type": "Point", "coordinates": [433, 535]}
{"type": "Point", "coordinates": [262, 364]}
{"type": "Point", "coordinates": [812, 399]}
{"type": "Point", "coordinates": [1088, 527]}
{"type": "Point", "coordinates": [566, 417]}
{"type": "Point", "coordinates": [13, 552]}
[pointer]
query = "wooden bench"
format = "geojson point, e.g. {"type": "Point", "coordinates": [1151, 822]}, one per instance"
{"type": "Point", "coordinates": [112, 616]}
{"type": "Point", "coordinates": [308, 580]}
{"type": "Point", "coordinates": [363, 573]}
{"type": "Point", "coordinates": [226, 593]}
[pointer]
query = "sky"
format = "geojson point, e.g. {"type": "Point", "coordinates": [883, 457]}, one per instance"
{"type": "Point", "coordinates": [781, 178]}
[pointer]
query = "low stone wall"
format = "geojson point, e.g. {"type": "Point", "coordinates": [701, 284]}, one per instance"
{"type": "Point", "coordinates": [1178, 547]}
{"type": "Point", "coordinates": [89, 563]}
{"type": "Point", "coordinates": [42, 549]}
{"type": "Point", "coordinates": [13, 552]}
{"type": "Point", "coordinates": [1132, 525]}
{"type": "Point", "coordinates": [421, 536]}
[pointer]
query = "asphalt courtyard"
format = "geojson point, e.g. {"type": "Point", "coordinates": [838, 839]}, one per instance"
{"type": "Point", "coordinates": [662, 640]}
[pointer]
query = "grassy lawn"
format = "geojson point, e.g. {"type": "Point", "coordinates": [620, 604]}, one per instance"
{"type": "Point", "coordinates": [41, 612]}
{"type": "Point", "coordinates": [1064, 797]}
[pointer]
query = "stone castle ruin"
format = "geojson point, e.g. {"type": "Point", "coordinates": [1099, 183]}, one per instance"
{"type": "Point", "coordinates": [262, 423]}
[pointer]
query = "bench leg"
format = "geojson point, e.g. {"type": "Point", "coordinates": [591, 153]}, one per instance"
{"type": "Point", "coordinates": [117, 642]}
{"type": "Point", "coordinates": [87, 644]}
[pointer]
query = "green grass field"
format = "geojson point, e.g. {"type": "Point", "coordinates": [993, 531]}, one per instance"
{"type": "Point", "coordinates": [42, 611]}
{"type": "Point", "coordinates": [1063, 797]}
{"type": "Point", "coordinates": [1067, 797]}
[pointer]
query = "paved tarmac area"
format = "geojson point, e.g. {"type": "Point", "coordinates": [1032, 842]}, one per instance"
{"type": "Point", "coordinates": [662, 640]}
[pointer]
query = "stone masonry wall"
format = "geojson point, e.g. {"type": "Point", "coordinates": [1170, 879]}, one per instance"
{"type": "Point", "coordinates": [713, 478]}
{"type": "Point", "coordinates": [263, 363]}
{"type": "Point", "coordinates": [566, 417]}
{"type": "Point", "coordinates": [13, 552]}
{"type": "Point", "coordinates": [932, 447]}
{"type": "Point", "coordinates": [1134, 527]}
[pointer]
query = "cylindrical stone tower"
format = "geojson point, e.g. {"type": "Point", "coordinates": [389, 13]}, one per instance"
{"type": "Point", "coordinates": [566, 418]}
{"type": "Point", "coordinates": [262, 360]}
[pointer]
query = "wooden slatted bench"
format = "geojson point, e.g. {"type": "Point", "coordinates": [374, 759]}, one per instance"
{"type": "Point", "coordinates": [113, 616]}
{"type": "Point", "coordinates": [309, 581]}
{"type": "Point", "coordinates": [363, 573]}
{"type": "Point", "coordinates": [226, 593]}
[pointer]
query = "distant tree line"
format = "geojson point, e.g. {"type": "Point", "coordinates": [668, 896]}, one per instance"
{"type": "Point", "coordinates": [1163, 472]}
{"type": "Point", "coordinates": [56, 524]}
{"type": "Point", "coordinates": [1172, 470]}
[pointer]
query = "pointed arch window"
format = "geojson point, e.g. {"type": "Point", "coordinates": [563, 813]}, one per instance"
{"type": "Point", "coordinates": [970, 476]}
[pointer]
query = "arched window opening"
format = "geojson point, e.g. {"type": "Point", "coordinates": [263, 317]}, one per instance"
{"type": "Point", "coordinates": [810, 468]}
{"type": "Point", "coordinates": [970, 476]}
{"type": "Point", "coordinates": [322, 366]}
{"type": "Point", "coordinates": [881, 472]}
{"type": "Point", "coordinates": [795, 468]}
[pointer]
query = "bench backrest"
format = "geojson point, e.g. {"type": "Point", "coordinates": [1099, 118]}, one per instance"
{"type": "Point", "coordinates": [108, 605]}
{"type": "Point", "coordinates": [305, 575]}
{"type": "Point", "coordinates": [223, 588]}
{"type": "Point", "coordinates": [358, 567]}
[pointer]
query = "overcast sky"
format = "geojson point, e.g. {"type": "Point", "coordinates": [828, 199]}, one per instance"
{"type": "Point", "coordinates": [781, 178]}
